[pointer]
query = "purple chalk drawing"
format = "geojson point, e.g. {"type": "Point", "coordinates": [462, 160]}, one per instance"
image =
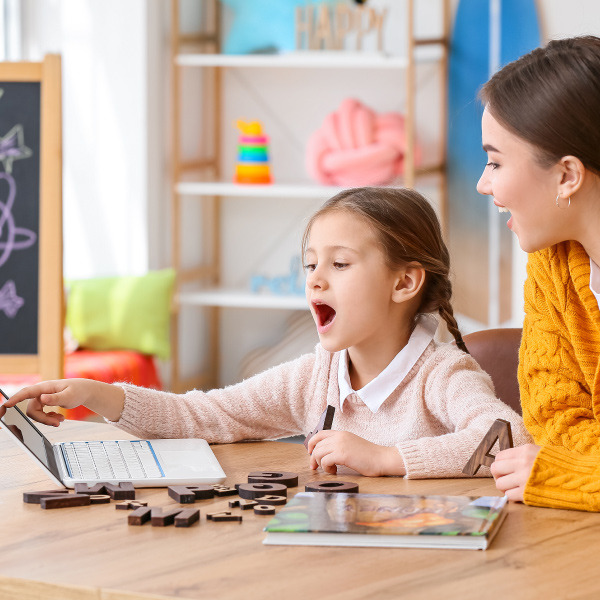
{"type": "Point", "coordinates": [12, 237]}
{"type": "Point", "coordinates": [12, 147]}
{"type": "Point", "coordinates": [10, 303]}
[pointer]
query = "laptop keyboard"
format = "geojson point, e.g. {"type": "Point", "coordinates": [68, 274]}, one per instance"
{"type": "Point", "coordinates": [111, 460]}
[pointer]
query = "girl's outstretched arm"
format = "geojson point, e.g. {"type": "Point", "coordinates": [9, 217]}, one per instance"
{"type": "Point", "coordinates": [102, 398]}
{"type": "Point", "coordinates": [269, 405]}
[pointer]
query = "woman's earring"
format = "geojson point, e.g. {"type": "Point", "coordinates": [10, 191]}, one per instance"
{"type": "Point", "coordinates": [557, 204]}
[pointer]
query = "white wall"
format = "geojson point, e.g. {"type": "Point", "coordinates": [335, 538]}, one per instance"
{"type": "Point", "coordinates": [113, 129]}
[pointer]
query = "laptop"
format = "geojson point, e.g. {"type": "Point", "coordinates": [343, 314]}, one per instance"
{"type": "Point", "coordinates": [145, 463]}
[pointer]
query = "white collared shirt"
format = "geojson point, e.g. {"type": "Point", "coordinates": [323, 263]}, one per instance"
{"type": "Point", "coordinates": [595, 280]}
{"type": "Point", "coordinates": [378, 390]}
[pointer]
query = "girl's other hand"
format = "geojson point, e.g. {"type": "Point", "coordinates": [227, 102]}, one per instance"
{"type": "Point", "coordinates": [330, 448]}
{"type": "Point", "coordinates": [511, 470]}
{"type": "Point", "coordinates": [104, 399]}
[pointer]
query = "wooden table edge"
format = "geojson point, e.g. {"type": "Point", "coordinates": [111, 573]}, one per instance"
{"type": "Point", "coordinates": [29, 589]}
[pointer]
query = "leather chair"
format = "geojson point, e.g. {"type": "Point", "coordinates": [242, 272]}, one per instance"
{"type": "Point", "coordinates": [497, 351]}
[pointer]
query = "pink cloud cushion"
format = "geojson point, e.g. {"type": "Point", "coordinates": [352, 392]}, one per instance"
{"type": "Point", "coordinates": [356, 146]}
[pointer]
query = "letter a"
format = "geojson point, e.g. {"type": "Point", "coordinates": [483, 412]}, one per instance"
{"type": "Point", "coordinates": [500, 431]}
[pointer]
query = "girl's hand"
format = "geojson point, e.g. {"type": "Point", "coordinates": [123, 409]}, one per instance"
{"type": "Point", "coordinates": [330, 448]}
{"type": "Point", "coordinates": [511, 470]}
{"type": "Point", "coordinates": [102, 398]}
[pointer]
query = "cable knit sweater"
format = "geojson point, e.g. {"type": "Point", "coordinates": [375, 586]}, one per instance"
{"type": "Point", "coordinates": [558, 377]}
{"type": "Point", "coordinates": [436, 416]}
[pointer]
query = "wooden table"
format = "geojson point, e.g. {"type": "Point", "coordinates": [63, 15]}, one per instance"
{"type": "Point", "coordinates": [91, 553]}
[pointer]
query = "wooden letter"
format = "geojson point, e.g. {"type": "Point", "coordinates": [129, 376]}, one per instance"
{"type": "Point", "coordinates": [271, 500]}
{"type": "Point", "coordinates": [188, 494]}
{"type": "Point", "coordinates": [288, 479]}
{"type": "Point", "coordinates": [66, 501]}
{"type": "Point", "coordinates": [130, 505]}
{"type": "Point", "coordinates": [360, 30]}
{"type": "Point", "coordinates": [304, 26]}
{"type": "Point", "coordinates": [500, 430]}
{"type": "Point", "coordinates": [378, 20]}
{"type": "Point", "coordinates": [324, 33]}
{"type": "Point", "coordinates": [224, 490]}
{"type": "Point", "coordinates": [202, 491]}
{"type": "Point", "coordinates": [99, 499]}
{"type": "Point", "coordinates": [84, 488]}
{"type": "Point", "coordinates": [181, 494]}
{"type": "Point", "coordinates": [243, 504]}
{"type": "Point", "coordinates": [162, 519]}
{"type": "Point", "coordinates": [224, 515]}
{"type": "Point", "coordinates": [344, 20]}
{"type": "Point", "coordinates": [120, 491]}
{"type": "Point", "coordinates": [35, 497]}
{"type": "Point", "coordinates": [250, 491]}
{"type": "Point", "coordinates": [324, 423]}
{"type": "Point", "coordinates": [344, 487]}
{"type": "Point", "coordinates": [187, 517]}
{"type": "Point", "coordinates": [140, 515]}
{"type": "Point", "coordinates": [264, 509]}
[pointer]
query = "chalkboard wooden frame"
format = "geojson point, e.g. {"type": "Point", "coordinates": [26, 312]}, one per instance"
{"type": "Point", "coordinates": [48, 363]}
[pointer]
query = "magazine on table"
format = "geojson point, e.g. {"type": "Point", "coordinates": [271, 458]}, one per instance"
{"type": "Point", "coordinates": [388, 521]}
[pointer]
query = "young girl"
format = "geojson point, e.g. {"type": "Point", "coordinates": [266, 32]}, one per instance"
{"type": "Point", "coordinates": [405, 405]}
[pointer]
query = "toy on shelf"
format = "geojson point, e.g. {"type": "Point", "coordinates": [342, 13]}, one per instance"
{"type": "Point", "coordinates": [324, 27]}
{"type": "Point", "coordinates": [281, 285]}
{"type": "Point", "coordinates": [261, 26]}
{"type": "Point", "coordinates": [253, 155]}
{"type": "Point", "coordinates": [355, 146]}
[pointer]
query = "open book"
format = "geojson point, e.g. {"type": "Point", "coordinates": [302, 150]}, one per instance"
{"type": "Point", "coordinates": [391, 521]}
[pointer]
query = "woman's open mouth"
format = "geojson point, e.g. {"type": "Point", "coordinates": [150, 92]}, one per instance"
{"type": "Point", "coordinates": [501, 209]}
{"type": "Point", "coordinates": [325, 315]}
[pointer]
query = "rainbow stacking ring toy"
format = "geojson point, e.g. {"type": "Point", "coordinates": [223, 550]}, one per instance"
{"type": "Point", "coordinates": [253, 155]}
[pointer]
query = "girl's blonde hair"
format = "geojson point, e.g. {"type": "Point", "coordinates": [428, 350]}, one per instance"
{"type": "Point", "coordinates": [408, 231]}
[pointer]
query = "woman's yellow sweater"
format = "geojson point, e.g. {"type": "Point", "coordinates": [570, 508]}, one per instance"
{"type": "Point", "coordinates": [559, 378]}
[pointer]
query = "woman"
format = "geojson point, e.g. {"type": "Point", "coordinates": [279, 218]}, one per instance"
{"type": "Point", "coordinates": [541, 132]}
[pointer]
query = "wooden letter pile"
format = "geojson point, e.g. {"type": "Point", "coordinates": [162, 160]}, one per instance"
{"type": "Point", "coordinates": [264, 492]}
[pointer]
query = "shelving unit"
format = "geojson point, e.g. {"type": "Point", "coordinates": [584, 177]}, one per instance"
{"type": "Point", "coordinates": [202, 177]}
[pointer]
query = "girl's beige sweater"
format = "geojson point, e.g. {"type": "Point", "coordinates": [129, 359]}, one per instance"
{"type": "Point", "coordinates": [436, 416]}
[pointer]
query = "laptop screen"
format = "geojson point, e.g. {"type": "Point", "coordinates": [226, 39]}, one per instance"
{"type": "Point", "coordinates": [21, 427]}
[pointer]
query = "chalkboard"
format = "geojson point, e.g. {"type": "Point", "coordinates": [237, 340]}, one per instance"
{"type": "Point", "coordinates": [19, 216]}
{"type": "Point", "coordinates": [31, 296]}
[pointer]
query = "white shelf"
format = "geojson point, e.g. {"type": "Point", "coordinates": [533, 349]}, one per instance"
{"type": "Point", "coordinates": [315, 59]}
{"type": "Point", "coordinates": [294, 59]}
{"type": "Point", "coordinates": [275, 190]}
{"type": "Point", "coordinates": [241, 299]}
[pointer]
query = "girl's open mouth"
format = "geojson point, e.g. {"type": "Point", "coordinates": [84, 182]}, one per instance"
{"type": "Point", "coordinates": [325, 315]}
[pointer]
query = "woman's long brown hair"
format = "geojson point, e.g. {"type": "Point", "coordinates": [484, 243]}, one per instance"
{"type": "Point", "coordinates": [550, 98]}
